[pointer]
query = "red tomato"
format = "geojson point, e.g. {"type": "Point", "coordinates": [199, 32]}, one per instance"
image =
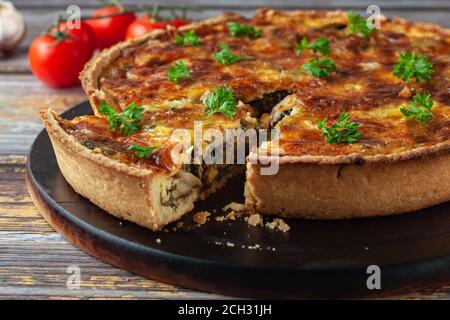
{"type": "Point", "coordinates": [84, 35]}
{"type": "Point", "coordinates": [143, 25]}
{"type": "Point", "coordinates": [55, 62]}
{"type": "Point", "coordinates": [177, 23]}
{"type": "Point", "coordinates": [109, 31]}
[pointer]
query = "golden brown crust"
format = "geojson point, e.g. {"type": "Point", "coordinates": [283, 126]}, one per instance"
{"type": "Point", "coordinates": [124, 191]}
{"type": "Point", "coordinates": [417, 153]}
{"type": "Point", "coordinates": [336, 191]}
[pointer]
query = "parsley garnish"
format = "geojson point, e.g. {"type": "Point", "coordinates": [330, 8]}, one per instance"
{"type": "Point", "coordinates": [243, 30]}
{"type": "Point", "coordinates": [358, 24]}
{"type": "Point", "coordinates": [301, 46]}
{"type": "Point", "coordinates": [320, 67]}
{"type": "Point", "coordinates": [141, 151]}
{"type": "Point", "coordinates": [126, 122]}
{"type": "Point", "coordinates": [189, 38]}
{"type": "Point", "coordinates": [420, 108]}
{"type": "Point", "coordinates": [321, 45]}
{"type": "Point", "coordinates": [221, 100]}
{"type": "Point", "coordinates": [409, 65]}
{"type": "Point", "coordinates": [341, 131]}
{"type": "Point", "coordinates": [178, 72]}
{"type": "Point", "coordinates": [225, 56]}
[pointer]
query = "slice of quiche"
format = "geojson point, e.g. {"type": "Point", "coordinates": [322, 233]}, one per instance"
{"type": "Point", "coordinates": [141, 175]}
{"type": "Point", "coordinates": [363, 116]}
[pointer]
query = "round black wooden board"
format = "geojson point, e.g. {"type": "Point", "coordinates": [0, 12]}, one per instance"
{"type": "Point", "coordinates": [316, 259]}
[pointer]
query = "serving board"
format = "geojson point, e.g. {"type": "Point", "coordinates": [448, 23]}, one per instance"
{"type": "Point", "coordinates": [315, 259]}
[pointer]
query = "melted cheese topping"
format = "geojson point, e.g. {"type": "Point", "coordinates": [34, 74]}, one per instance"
{"type": "Point", "coordinates": [363, 84]}
{"type": "Point", "coordinates": [157, 129]}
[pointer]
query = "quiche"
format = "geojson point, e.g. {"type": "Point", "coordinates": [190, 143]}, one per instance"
{"type": "Point", "coordinates": [362, 117]}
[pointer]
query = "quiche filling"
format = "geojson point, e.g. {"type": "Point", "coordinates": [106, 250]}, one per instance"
{"type": "Point", "coordinates": [308, 74]}
{"type": "Point", "coordinates": [184, 183]}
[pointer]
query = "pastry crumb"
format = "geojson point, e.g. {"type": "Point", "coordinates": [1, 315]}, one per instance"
{"type": "Point", "coordinates": [220, 218]}
{"type": "Point", "coordinates": [158, 241]}
{"type": "Point", "coordinates": [255, 220]}
{"type": "Point", "coordinates": [201, 217]}
{"type": "Point", "coordinates": [231, 216]}
{"type": "Point", "coordinates": [234, 206]}
{"type": "Point", "coordinates": [278, 224]}
{"type": "Point", "coordinates": [282, 225]}
{"type": "Point", "coordinates": [179, 224]}
{"type": "Point", "coordinates": [230, 244]}
{"type": "Point", "coordinates": [254, 247]}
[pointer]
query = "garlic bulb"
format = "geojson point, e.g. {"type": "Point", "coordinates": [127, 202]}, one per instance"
{"type": "Point", "coordinates": [12, 27]}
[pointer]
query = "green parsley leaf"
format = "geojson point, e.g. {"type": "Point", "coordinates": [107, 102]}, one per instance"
{"type": "Point", "coordinates": [358, 24]}
{"type": "Point", "coordinates": [299, 47]}
{"type": "Point", "coordinates": [225, 56]}
{"type": "Point", "coordinates": [178, 72]}
{"type": "Point", "coordinates": [342, 131]}
{"type": "Point", "coordinates": [222, 100]}
{"type": "Point", "coordinates": [320, 67]}
{"type": "Point", "coordinates": [420, 108]}
{"type": "Point", "coordinates": [242, 30]}
{"type": "Point", "coordinates": [126, 122]}
{"type": "Point", "coordinates": [409, 65]}
{"type": "Point", "coordinates": [141, 151]}
{"type": "Point", "coordinates": [189, 38]}
{"type": "Point", "coordinates": [321, 45]}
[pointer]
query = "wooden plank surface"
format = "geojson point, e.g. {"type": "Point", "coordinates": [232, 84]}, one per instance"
{"type": "Point", "coordinates": [33, 257]}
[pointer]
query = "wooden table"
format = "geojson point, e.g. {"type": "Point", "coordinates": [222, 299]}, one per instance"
{"type": "Point", "coordinates": [33, 257]}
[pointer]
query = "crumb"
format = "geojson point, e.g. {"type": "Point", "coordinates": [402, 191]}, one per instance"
{"type": "Point", "coordinates": [278, 224]}
{"type": "Point", "coordinates": [234, 206]}
{"type": "Point", "coordinates": [201, 217]}
{"type": "Point", "coordinates": [120, 223]}
{"type": "Point", "coordinates": [231, 216]}
{"type": "Point", "coordinates": [282, 225]}
{"type": "Point", "coordinates": [255, 247]}
{"type": "Point", "coordinates": [158, 241]}
{"type": "Point", "coordinates": [179, 224]}
{"type": "Point", "coordinates": [230, 244]}
{"type": "Point", "coordinates": [255, 220]}
{"type": "Point", "coordinates": [165, 230]}
{"type": "Point", "coordinates": [273, 249]}
{"type": "Point", "coordinates": [218, 243]}
{"type": "Point", "coordinates": [271, 225]}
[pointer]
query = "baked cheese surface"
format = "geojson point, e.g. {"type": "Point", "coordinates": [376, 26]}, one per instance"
{"type": "Point", "coordinates": [157, 129]}
{"type": "Point", "coordinates": [362, 85]}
